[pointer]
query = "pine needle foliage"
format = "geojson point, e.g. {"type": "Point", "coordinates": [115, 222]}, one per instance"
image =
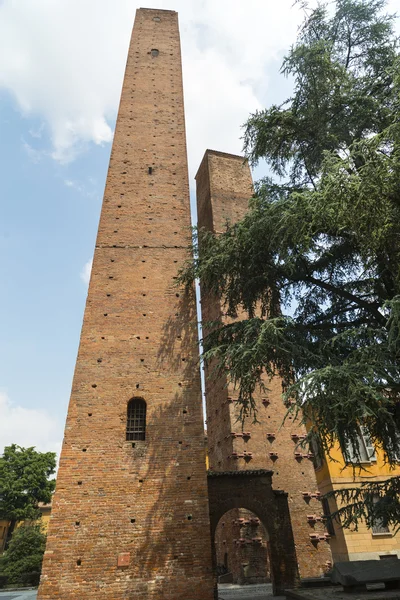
{"type": "Point", "coordinates": [21, 563]}
{"type": "Point", "coordinates": [315, 264]}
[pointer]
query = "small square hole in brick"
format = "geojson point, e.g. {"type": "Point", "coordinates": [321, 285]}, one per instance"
{"type": "Point", "coordinates": [79, 562]}
{"type": "Point", "coordinates": [133, 520]}
{"type": "Point", "coordinates": [77, 523]}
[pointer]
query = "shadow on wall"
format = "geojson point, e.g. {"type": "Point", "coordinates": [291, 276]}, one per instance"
{"type": "Point", "coordinates": [252, 490]}
{"type": "Point", "coordinates": [242, 547]}
{"type": "Point", "coordinates": [174, 542]}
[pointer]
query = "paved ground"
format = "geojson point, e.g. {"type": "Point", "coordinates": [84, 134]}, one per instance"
{"type": "Point", "coordinates": [336, 593]}
{"type": "Point", "coordinates": [19, 595]}
{"type": "Point", "coordinates": [227, 591]}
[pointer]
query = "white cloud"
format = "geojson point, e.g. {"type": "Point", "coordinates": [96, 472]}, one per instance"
{"type": "Point", "coordinates": [28, 427]}
{"type": "Point", "coordinates": [63, 61]}
{"type": "Point", "coordinates": [89, 189]}
{"type": "Point", "coordinates": [86, 271]}
{"type": "Point", "coordinates": [33, 154]}
{"type": "Point", "coordinates": [37, 132]}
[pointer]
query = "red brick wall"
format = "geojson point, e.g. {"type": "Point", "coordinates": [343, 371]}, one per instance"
{"type": "Point", "coordinates": [133, 521]}
{"type": "Point", "coordinates": [242, 542]}
{"type": "Point", "coordinates": [224, 186]}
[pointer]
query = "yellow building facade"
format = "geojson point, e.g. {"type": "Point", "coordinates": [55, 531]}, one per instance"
{"type": "Point", "coordinates": [45, 511]}
{"type": "Point", "coordinates": [333, 474]}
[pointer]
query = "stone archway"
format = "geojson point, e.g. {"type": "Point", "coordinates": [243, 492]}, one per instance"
{"type": "Point", "coordinates": [253, 490]}
{"type": "Point", "coordinates": [242, 548]}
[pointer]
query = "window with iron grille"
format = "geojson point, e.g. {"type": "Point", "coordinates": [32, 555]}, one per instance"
{"type": "Point", "coordinates": [136, 420]}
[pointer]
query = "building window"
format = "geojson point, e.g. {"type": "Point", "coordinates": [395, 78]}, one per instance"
{"type": "Point", "coordinates": [136, 420]}
{"type": "Point", "coordinates": [316, 449]}
{"type": "Point", "coordinates": [366, 449]}
{"type": "Point", "coordinates": [327, 514]}
{"type": "Point", "coordinates": [378, 526]}
{"type": "Point", "coordinates": [398, 447]}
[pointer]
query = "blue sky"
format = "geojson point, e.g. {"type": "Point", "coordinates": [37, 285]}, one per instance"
{"type": "Point", "coordinates": [61, 69]}
{"type": "Point", "coordinates": [49, 216]}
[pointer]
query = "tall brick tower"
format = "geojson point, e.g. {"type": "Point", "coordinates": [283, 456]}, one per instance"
{"type": "Point", "coordinates": [130, 513]}
{"type": "Point", "coordinates": [224, 186]}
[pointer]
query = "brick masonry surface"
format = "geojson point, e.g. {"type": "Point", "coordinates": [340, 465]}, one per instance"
{"type": "Point", "coordinates": [224, 186]}
{"type": "Point", "coordinates": [130, 519]}
{"type": "Point", "coordinates": [242, 547]}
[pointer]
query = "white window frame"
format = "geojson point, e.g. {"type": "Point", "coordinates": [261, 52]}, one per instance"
{"type": "Point", "coordinates": [366, 448]}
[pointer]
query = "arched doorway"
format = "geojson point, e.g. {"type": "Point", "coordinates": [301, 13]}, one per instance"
{"type": "Point", "coordinates": [242, 548]}
{"type": "Point", "coordinates": [252, 490]}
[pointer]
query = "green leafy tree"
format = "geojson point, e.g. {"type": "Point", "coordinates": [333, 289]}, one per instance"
{"type": "Point", "coordinates": [24, 483]}
{"type": "Point", "coordinates": [21, 563]}
{"type": "Point", "coordinates": [315, 264]}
